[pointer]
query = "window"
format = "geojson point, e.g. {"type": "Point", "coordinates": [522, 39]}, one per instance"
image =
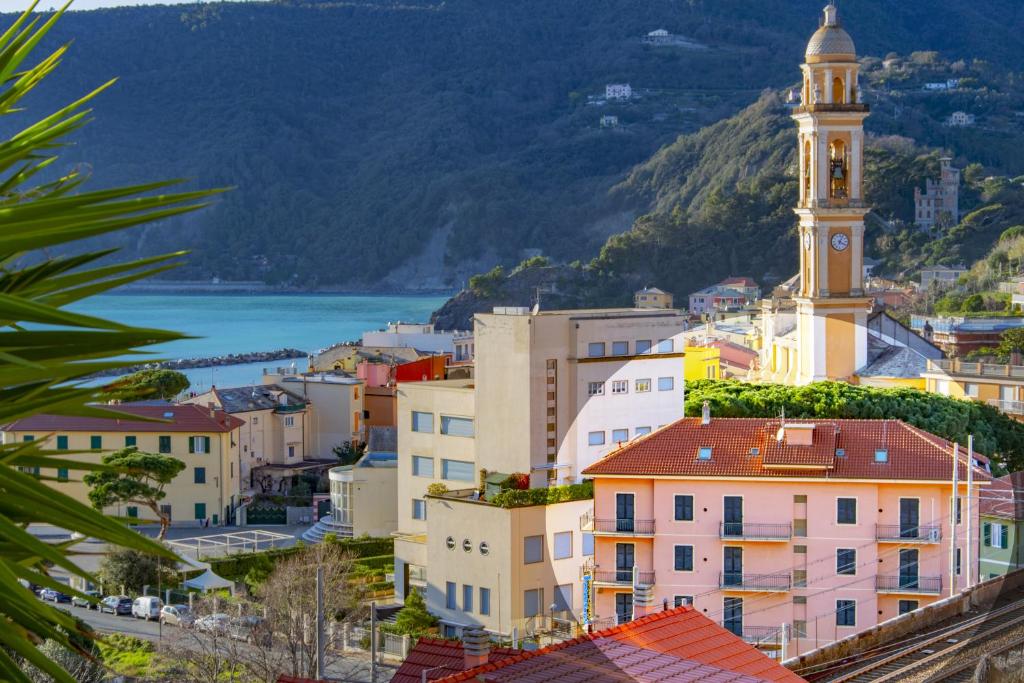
{"type": "Point", "coordinates": [200, 511]}
{"type": "Point", "coordinates": [422, 422]}
{"type": "Point", "coordinates": [422, 466]}
{"type": "Point", "coordinates": [999, 536]}
{"type": "Point", "coordinates": [665, 346]}
{"type": "Point", "coordinates": [485, 601]}
{"type": "Point", "coordinates": [595, 388]}
{"type": "Point", "coordinates": [27, 438]}
{"type": "Point", "coordinates": [165, 444]}
{"type": "Point", "coordinates": [666, 383]}
{"type": "Point", "coordinates": [958, 501]}
{"type": "Point", "coordinates": [846, 510]}
{"type": "Point", "coordinates": [732, 615]}
{"type": "Point", "coordinates": [846, 613]}
{"type": "Point", "coordinates": [684, 558]}
{"type": "Point", "coordinates": [643, 346]}
{"type": "Point", "coordinates": [958, 561]}
{"type": "Point", "coordinates": [563, 545]}
{"type": "Point", "coordinates": [800, 549]}
{"type": "Point", "coordinates": [620, 435]}
{"type": "Point", "coordinates": [130, 441]}
{"type": "Point", "coordinates": [533, 602]}
{"type": "Point", "coordinates": [563, 597]}
{"type": "Point", "coordinates": [799, 599]}
{"type": "Point", "coordinates": [623, 607]}
{"type": "Point", "coordinates": [457, 470]}
{"type": "Point", "coordinates": [846, 561]}
{"type": "Point", "coordinates": [908, 606]}
{"type": "Point", "coordinates": [419, 508]}
{"type": "Point", "coordinates": [642, 386]}
{"type": "Point", "coordinates": [456, 426]}
{"type": "Point", "coordinates": [449, 631]}
{"type": "Point", "coordinates": [620, 348]}
{"type": "Point", "coordinates": [684, 508]}
{"type": "Point", "coordinates": [467, 598]}
{"type": "Point", "coordinates": [95, 442]}
{"type": "Point", "coordinates": [291, 451]}
{"type": "Point", "coordinates": [588, 544]}
{"type": "Point", "coordinates": [704, 453]}
{"type": "Point", "coordinates": [449, 595]}
{"type": "Point", "coordinates": [640, 431]}
{"type": "Point", "coordinates": [799, 628]}
{"type": "Point", "coordinates": [198, 444]}
{"type": "Point", "coordinates": [289, 421]}
{"type": "Point", "coordinates": [881, 455]}
{"type": "Point", "coordinates": [595, 349]}
{"type": "Point", "coordinates": [620, 386]}
{"type": "Point", "coordinates": [199, 476]}
{"type": "Point", "coordinates": [62, 443]}
{"type": "Point", "coordinates": [681, 600]}
{"type": "Point", "coordinates": [800, 528]}
{"type": "Point", "coordinates": [800, 578]}
{"type": "Point", "coordinates": [62, 474]}
{"type": "Point", "coordinates": [595, 438]}
{"type": "Point", "coordinates": [133, 511]}
{"type": "Point", "coordinates": [971, 390]}
{"type": "Point", "coordinates": [533, 549]}
{"type": "Point", "coordinates": [255, 420]}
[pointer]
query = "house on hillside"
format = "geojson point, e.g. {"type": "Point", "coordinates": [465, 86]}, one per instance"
{"type": "Point", "coordinates": [960, 119]}
{"type": "Point", "coordinates": [618, 91]}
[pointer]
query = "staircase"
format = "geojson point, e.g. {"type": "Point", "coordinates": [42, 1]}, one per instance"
{"type": "Point", "coordinates": [326, 525]}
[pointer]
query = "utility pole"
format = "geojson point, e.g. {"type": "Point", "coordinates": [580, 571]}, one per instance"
{"type": "Point", "coordinates": [952, 520]}
{"type": "Point", "coordinates": [321, 672]}
{"type": "Point", "coordinates": [968, 555]}
{"type": "Point", "coordinates": [373, 642]}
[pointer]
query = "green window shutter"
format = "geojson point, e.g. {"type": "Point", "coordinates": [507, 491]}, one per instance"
{"type": "Point", "coordinates": [987, 534]}
{"type": "Point", "coordinates": [133, 511]}
{"type": "Point", "coordinates": [62, 443]}
{"type": "Point", "coordinates": [28, 437]}
{"type": "Point", "coordinates": [200, 511]}
{"type": "Point", "coordinates": [62, 474]}
{"type": "Point", "coordinates": [206, 443]}
{"type": "Point", "coordinates": [130, 441]}
{"type": "Point", "coordinates": [191, 444]}
{"type": "Point", "coordinates": [200, 475]}
{"type": "Point", "coordinates": [96, 442]}
{"type": "Point", "coordinates": [165, 444]}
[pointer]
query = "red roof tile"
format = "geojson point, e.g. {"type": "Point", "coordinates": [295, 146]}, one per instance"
{"type": "Point", "coordinates": [680, 644]}
{"type": "Point", "coordinates": [1003, 498]}
{"type": "Point", "coordinates": [175, 418]}
{"type": "Point", "coordinates": [440, 658]}
{"type": "Point", "coordinates": [748, 447]}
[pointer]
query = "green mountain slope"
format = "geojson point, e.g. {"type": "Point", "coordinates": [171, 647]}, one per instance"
{"type": "Point", "coordinates": [378, 143]}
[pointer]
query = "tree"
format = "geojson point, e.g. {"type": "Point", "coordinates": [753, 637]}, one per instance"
{"type": "Point", "coordinates": [131, 476]}
{"type": "Point", "coordinates": [414, 619]}
{"type": "Point", "coordinates": [151, 384]}
{"type": "Point", "coordinates": [349, 452]}
{"type": "Point", "coordinates": [1012, 341]}
{"type": "Point", "coordinates": [131, 570]}
{"type": "Point", "coordinates": [48, 350]}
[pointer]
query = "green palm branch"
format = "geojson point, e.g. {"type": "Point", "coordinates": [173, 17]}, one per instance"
{"type": "Point", "coordinates": [46, 351]}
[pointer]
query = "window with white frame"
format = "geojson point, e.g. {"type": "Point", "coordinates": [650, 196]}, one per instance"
{"type": "Point", "coordinates": [620, 386]}
{"type": "Point", "coordinates": [595, 388]}
{"type": "Point", "coordinates": [533, 549]}
{"type": "Point", "coordinates": [419, 508]}
{"type": "Point", "coordinates": [666, 346]}
{"type": "Point", "coordinates": [289, 421]}
{"type": "Point", "coordinates": [971, 389]}
{"type": "Point", "coordinates": [422, 466]}
{"type": "Point", "coordinates": [595, 349]}
{"type": "Point", "coordinates": [846, 613]}
{"type": "Point", "coordinates": [620, 435]}
{"type": "Point", "coordinates": [456, 426]}
{"type": "Point", "coordinates": [640, 431]}
{"type": "Point", "coordinates": [563, 545]}
{"type": "Point", "coordinates": [457, 470]}
{"type": "Point", "coordinates": [642, 386]}
{"type": "Point", "coordinates": [666, 383]}
{"type": "Point", "coordinates": [422, 422]}
{"type": "Point", "coordinates": [595, 438]}
{"type": "Point", "coordinates": [620, 348]}
{"type": "Point", "coordinates": [643, 346]}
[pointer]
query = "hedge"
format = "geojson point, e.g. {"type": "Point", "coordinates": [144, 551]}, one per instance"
{"type": "Point", "coordinates": [517, 498]}
{"type": "Point", "coordinates": [235, 567]}
{"type": "Point", "coordinates": [377, 562]}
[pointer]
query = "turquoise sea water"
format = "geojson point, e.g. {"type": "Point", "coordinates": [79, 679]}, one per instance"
{"type": "Point", "coordinates": [227, 323]}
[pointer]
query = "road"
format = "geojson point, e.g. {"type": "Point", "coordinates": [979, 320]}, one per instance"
{"type": "Point", "coordinates": [353, 668]}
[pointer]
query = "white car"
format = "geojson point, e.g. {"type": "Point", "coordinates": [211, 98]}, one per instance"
{"type": "Point", "coordinates": [147, 607]}
{"type": "Point", "coordinates": [213, 623]}
{"type": "Point", "coordinates": [176, 615]}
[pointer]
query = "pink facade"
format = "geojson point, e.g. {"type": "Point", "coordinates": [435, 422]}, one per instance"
{"type": "Point", "coordinates": [374, 374]}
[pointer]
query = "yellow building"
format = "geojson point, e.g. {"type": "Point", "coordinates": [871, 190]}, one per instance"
{"type": "Point", "coordinates": [999, 385]}
{"type": "Point", "coordinates": [206, 440]}
{"type": "Point", "coordinates": [702, 362]}
{"type": "Point", "coordinates": [652, 297]}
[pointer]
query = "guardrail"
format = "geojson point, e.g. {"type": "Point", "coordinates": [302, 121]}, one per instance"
{"type": "Point", "coordinates": [624, 577]}
{"type": "Point", "coordinates": [754, 531]}
{"type": "Point", "coordinates": [897, 533]}
{"type": "Point", "coordinates": [764, 583]}
{"type": "Point", "coordinates": [909, 584]}
{"type": "Point", "coordinates": [629, 527]}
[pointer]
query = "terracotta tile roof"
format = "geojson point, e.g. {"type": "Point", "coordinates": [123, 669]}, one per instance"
{"type": "Point", "coordinates": [747, 447]}
{"type": "Point", "coordinates": [674, 646]}
{"type": "Point", "coordinates": [440, 658]}
{"type": "Point", "coordinates": [176, 418]}
{"type": "Point", "coordinates": [1004, 497]}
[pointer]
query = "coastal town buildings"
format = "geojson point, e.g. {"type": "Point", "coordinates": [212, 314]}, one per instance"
{"type": "Point", "coordinates": [419, 336]}
{"type": "Point", "coordinates": [831, 526]}
{"type": "Point", "coordinates": [346, 357]}
{"type": "Point", "coordinates": [207, 440]}
{"type": "Point", "coordinates": [959, 335]}
{"type": "Point", "coordinates": [940, 277]}
{"type": "Point", "coordinates": [939, 204]}
{"type": "Point", "coordinates": [337, 417]}
{"type": "Point", "coordinates": [652, 297]}
{"type": "Point", "coordinates": [998, 384]}
{"type": "Point", "coordinates": [960, 119]}
{"type": "Point", "coordinates": [1002, 522]}
{"type": "Point", "coordinates": [728, 295]}
{"type": "Point", "coordinates": [618, 91]}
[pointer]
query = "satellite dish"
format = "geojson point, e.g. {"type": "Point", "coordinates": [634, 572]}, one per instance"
{"type": "Point", "coordinates": [535, 309]}
{"type": "Point", "coordinates": [781, 434]}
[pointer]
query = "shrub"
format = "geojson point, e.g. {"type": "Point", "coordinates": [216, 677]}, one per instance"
{"type": "Point", "coordinates": [437, 489]}
{"type": "Point", "coordinates": [413, 618]}
{"type": "Point", "coordinates": [514, 498]}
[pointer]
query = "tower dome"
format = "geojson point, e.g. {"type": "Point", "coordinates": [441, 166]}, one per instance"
{"type": "Point", "coordinates": [831, 43]}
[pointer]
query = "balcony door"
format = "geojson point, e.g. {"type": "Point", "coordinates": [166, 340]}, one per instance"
{"type": "Point", "coordinates": [732, 515]}
{"type": "Point", "coordinates": [732, 567]}
{"type": "Point", "coordinates": [623, 607]}
{"type": "Point", "coordinates": [908, 568]}
{"type": "Point", "coordinates": [910, 517]}
{"type": "Point", "coordinates": [732, 615]}
{"type": "Point", "coordinates": [625, 558]}
{"type": "Point", "coordinates": [624, 512]}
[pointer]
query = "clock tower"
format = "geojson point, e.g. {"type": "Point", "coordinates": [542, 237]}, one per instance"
{"type": "Point", "coordinates": [831, 309]}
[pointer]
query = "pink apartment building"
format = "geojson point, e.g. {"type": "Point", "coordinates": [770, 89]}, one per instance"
{"type": "Point", "coordinates": [826, 526]}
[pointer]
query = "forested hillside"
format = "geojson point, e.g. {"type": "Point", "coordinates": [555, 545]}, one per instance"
{"type": "Point", "coordinates": [384, 144]}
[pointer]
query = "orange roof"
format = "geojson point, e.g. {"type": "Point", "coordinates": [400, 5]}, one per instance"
{"type": "Point", "coordinates": [186, 417]}
{"type": "Point", "coordinates": [439, 658]}
{"type": "Point", "coordinates": [677, 645]}
{"type": "Point", "coordinates": [748, 447]}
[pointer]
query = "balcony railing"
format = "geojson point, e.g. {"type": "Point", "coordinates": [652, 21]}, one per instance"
{"type": "Point", "coordinates": [758, 635]}
{"type": "Point", "coordinates": [896, 533]}
{"type": "Point", "coordinates": [747, 531]}
{"type": "Point", "coordinates": [955, 366]}
{"type": "Point", "coordinates": [626, 527]}
{"type": "Point", "coordinates": [624, 577]}
{"type": "Point", "coordinates": [764, 583]}
{"type": "Point", "coordinates": [1008, 407]}
{"type": "Point", "coordinates": [832, 106]}
{"type": "Point", "coordinates": [931, 585]}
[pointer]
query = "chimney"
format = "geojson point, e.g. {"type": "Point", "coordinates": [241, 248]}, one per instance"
{"type": "Point", "coordinates": [705, 413]}
{"type": "Point", "coordinates": [476, 648]}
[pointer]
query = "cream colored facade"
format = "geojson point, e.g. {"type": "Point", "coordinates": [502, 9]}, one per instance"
{"type": "Point", "coordinates": [337, 414]}
{"type": "Point", "coordinates": [998, 385]}
{"type": "Point", "coordinates": [363, 496]}
{"type": "Point", "coordinates": [209, 488]}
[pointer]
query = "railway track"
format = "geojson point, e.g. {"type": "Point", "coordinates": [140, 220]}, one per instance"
{"type": "Point", "coordinates": [963, 672]}
{"type": "Point", "coordinates": [939, 645]}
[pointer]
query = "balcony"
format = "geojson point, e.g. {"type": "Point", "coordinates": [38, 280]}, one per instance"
{"type": "Point", "coordinates": [746, 531]}
{"type": "Point", "coordinates": [896, 533]}
{"type": "Point", "coordinates": [957, 367]}
{"type": "Point", "coordinates": [623, 577]}
{"type": "Point", "coordinates": [623, 527]}
{"type": "Point", "coordinates": [767, 637]}
{"type": "Point", "coordinates": [832, 107]}
{"type": "Point", "coordinates": [755, 583]}
{"type": "Point", "coordinates": [919, 585]}
{"type": "Point", "coordinates": [1008, 407]}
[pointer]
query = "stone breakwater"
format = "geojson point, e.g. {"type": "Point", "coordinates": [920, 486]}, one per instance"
{"type": "Point", "coordinates": [211, 362]}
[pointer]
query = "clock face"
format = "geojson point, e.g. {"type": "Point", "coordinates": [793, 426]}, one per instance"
{"type": "Point", "coordinates": [807, 240]}
{"type": "Point", "coordinates": [840, 241]}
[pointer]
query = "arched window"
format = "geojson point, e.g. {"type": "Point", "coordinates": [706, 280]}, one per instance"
{"type": "Point", "coordinates": [838, 170]}
{"type": "Point", "coordinates": [807, 171]}
{"type": "Point", "coordinates": [838, 91]}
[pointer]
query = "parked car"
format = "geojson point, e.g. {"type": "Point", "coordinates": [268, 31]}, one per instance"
{"type": "Point", "coordinates": [176, 615]}
{"type": "Point", "coordinates": [51, 595]}
{"type": "Point", "coordinates": [147, 607]}
{"type": "Point", "coordinates": [213, 623]}
{"type": "Point", "coordinates": [116, 604]}
{"type": "Point", "coordinates": [251, 630]}
{"type": "Point", "coordinates": [82, 602]}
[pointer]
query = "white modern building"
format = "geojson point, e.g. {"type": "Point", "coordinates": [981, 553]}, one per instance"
{"type": "Point", "coordinates": [420, 336]}
{"type": "Point", "coordinates": [618, 91]}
